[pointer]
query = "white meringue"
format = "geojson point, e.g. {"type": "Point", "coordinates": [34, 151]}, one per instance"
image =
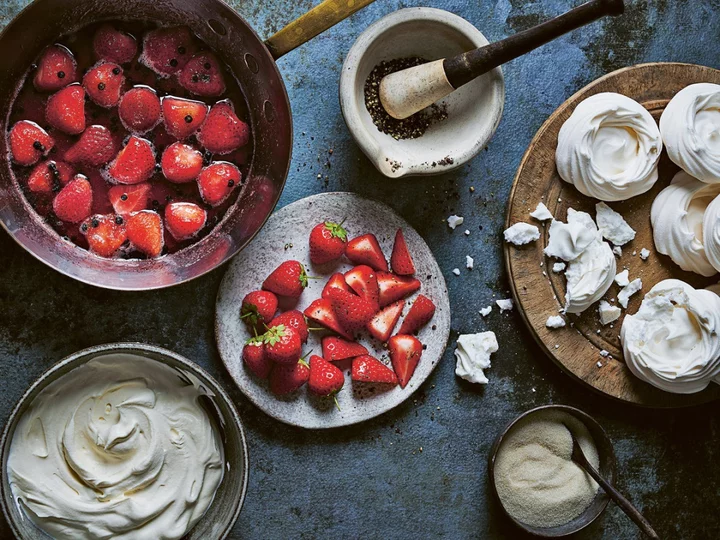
{"type": "Point", "coordinates": [677, 219]}
{"type": "Point", "coordinates": [612, 225]}
{"type": "Point", "coordinates": [541, 212]}
{"type": "Point", "coordinates": [521, 234]}
{"type": "Point", "coordinates": [711, 233]}
{"type": "Point", "coordinates": [568, 240]}
{"type": "Point", "coordinates": [690, 128]}
{"type": "Point", "coordinates": [473, 356]}
{"type": "Point", "coordinates": [589, 276]}
{"type": "Point", "coordinates": [609, 148]}
{"type": "Point", "coordinates": [672, 342]}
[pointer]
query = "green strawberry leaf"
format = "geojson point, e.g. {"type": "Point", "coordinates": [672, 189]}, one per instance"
{"type": "Point", "coordinates": [337, 230]}
{"type": "Point", "coordinates": [303, 277]}
{"type": "Point", "coordinates": [274, 334]}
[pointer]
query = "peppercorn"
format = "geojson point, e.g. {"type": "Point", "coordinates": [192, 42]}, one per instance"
{"type": "Point", "coordinates": [116, 71]}
{"type": "Point", "coordinates": [173, 62]}
{"type": "Point", "coordinates": [101, 86]}
{"type": "Point", "coordinates": [118, 220]}
{"type": "Point", "coordinates": [124, 197]}
{"type": "Point", "coordinates": [231, 183]}
{"type": "Point", "coordinates": [37, 145]}
{"type": "Point", "coordinates": [189, 118]}
{"type": "Point", "coordinates": [61, 74]}
{"type": "Point", "coordinates": [95, 223]}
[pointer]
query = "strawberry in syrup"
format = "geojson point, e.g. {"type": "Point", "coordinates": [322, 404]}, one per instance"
{"type": "Point", "coordinates": [127, 199]}
{"type": "Point", "coordinates": [167, 50]}
{"type": "Point", "coordinates": [183, 117]}
{"type": "Point", "coordinates": [50, 176]}
{"type": "Point", "coordinates": [184, 219]}
{"type": "Point", "coordinates": [139, 109]}
{"type": "Point", "coordinates": [203, 76]}
{"type": "Point", "coordinates": [96, 146]}
{"type": "Point", "coordinates": [74, 202]}
{"type": "Point", "coordinates": [65, 110]}
{"type": "Point", "coordinates": [145, 232]}
{"type": "Point", "coordinates": [135, 163]}
{"type": "Point", "coordinates": [29, 142]}
{"type": "Point", "coordinates": [223, 131]}
{"type": "Point", "coordinates": [181, 163]}
{"type": "Point", "coordinates": [105, 234]}
{"type": "Point", "coordinates": [55, 70]}
{"type": "Point", "coordinates": [217, 181]}
{"type": "Point", "coordinates": [113, 45]}
{"type": "Point", "coordinates": [103, 84]}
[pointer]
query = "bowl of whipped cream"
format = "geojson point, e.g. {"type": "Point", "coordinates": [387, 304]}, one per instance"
{"type": "Point", "coordinates": [123, 441]}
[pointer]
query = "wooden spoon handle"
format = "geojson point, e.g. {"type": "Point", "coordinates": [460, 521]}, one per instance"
{"type": "Point", "coordinates": [466, 66]}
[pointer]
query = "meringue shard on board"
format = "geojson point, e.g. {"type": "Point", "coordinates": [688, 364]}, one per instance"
{"type": "Point", "coordinates": [690, 128]}
{"type": "Point", "coordinates": [711, 233]}
{"type": "Point", "coordinates": [568, 240]}
{"type": "Point", "coordinates": [609, 148]}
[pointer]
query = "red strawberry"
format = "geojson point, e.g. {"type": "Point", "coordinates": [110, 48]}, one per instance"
{"type": "Point", "coordinates": [95, 147]}
{"type": "Point", "coordinates": [50, 176]}
{"type": "Point", "coordinates": [223, 131]}
{"type": "Point", "coordinates": [288, 279]}
{"type": "Point", "coordinates": [282, 344]}
{"type": "Point", "coordinates": [134, 164]}
{"type": "Point", "coordinates": [29, 142]}
{"type": "Point", "coordinates": [74, 202]}
{"type": "Point", "coordinates": [288, 378]}
{"type": "Point", "coordinates": [253, 355]}
{"type": "Point", "coordinates": [294, 319]}
{"type": "Point", "coordinates": [217, 181]}
{"type": "Point", "coordinates": [321, 312]}
{"type": "Point", "coordinates": [184, 220]}
{"type": "Point", "coordinates": [183, 117]}
{"type": "Point", "coordinates": [258, 308]}
{"type": "Point", "coordinates": [181, 163]}
{"type": "Point", "coordinates": [393, 288]}
{"type": "Point", "coordinates": [363, 281]}
{"type": "Point", "coordinates": [167, 50]}
{"type": "Point", "coordinates": [139, 109]}
{"type": "Point", "coordinates": [419, 315]}
{"type": "Point", "coordinates": [105, 234]}
{"type": "Point", "coordinates": [370, 370]}
{"type": "Point", "coordinates": [335, 348]}
{"type": "Point", "coordinates": [128, 199]}
{"type": "Point", "coordinates": [336, 281]}
{"type": "Point", "coordinates": [383, 323]}
{"type": "Point", "coordinates": [56, 69]}
{"type": "Point", "coordinates": [145, 232]}
{"type": "Point", "coordinates": [65, 110]}
{"type": "Point", "coordinates": [365, 249]}
{"type": "Point", "coordinates": [352, 312]}
{"type": "Point", "coordinates": [405, 353]}
{"type": "Point", "coordinates": [400, 260]}
{"type": "Point", "coordinates": [327, 242]}
{"type": "Point", "coordinates": [103, 83]}
{"type": "Point", "coordinates": [326, 379]}
{"type": "Point", "coordinates": [113, 45]}
{"type": "Point", "coordinates": [202, 75]}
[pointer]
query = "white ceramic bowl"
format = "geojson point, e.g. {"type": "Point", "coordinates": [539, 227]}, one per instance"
{"type": "Point", "coordinates": [474, 111]}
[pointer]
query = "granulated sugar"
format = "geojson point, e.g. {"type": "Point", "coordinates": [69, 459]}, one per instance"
{"type": "Point", "coordinates": [536, 480]}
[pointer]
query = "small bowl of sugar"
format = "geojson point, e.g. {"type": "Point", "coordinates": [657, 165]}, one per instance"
{"type": "Point", "coordinates": [533, 476]}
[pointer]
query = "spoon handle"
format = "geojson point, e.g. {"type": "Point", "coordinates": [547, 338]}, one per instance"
{"type": "Point", "coordinates": [466, 66]}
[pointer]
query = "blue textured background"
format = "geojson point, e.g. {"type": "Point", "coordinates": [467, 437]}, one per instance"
{"type": "Point", "coordinates": [372, 481]}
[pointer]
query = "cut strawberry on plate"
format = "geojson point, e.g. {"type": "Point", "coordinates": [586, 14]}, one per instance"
{"type": "Point", "coordinates": [363, 281]}
{"type": "Point", "coordinates": [128, 199]}
{"type": "Point", "coordinates": [365, 249]}
{"type": "Point", "coordinates": [335, 349]}
{"type": "Point", "coordinates": [55, 69]}
{"type": "Point", "coordinates": [326, 379]}
{"type": "Point", "coordinates": [183, 117]}
{"type": "Point", "coordinates": [74, 202]}
{"type": "Point", "coordinates": [181, 163]}
{"type": "Point", "coordinates": [103, 83]}
{"type": "Point", "coordinates": [400, 260]}
{"type": "Point", "coordinates": [139, 109]}
{"type": "Point", "coordinates": [184, 220]}
{"type": "Point", "coordinates": [29, 142]}
{"type": "Point", "coordinates": [321, 311]}
{"type": "Point", "coordinates": [65, 110]}
{"type": "Point", "coordinates": [135, 163]}
{"type": "Point", "coordinates": [50, 176]}
{"type": "Point", "coordinates": [405, 353]}
{"type": "Point", "coordinates": [167, 50]}
{"type": "Point", "coordinates": [294, 319]}
{"type": "Point", "coordinates": [393, 288]}
{"type": "Point", "coordinates": [223, 131]}
{"type": "Point", "coordinates": [327, 242]}
{"type": "Point", "coordinates": [383, 323]}
{"type": "Point", "coordinates": [371, 370]}
{"type": "Point", "coordinates": [352, 312]}
{"type": "Point", "coordinates": [145, 232]}
{"type": "Point", "coordinates": [336, 281]}
{"type": "Point", "coordinates": [289, 279]}
{"type": "Point", "coordinates": [105, 234]}
{"type": "Point", "coordinates": [113, 45]}
{"type": "Point", "coordinates": [258, 309]}
{"type": "Point", "coordinates": [95, 147]}
{"type": "Point", "coordinates": [419, 315]}
{"type": "Point", "coordinates": [285, 379]}
{"type": "Point", "coordinates": [282, 344]}
{"type": "Point", "coordinates": [202, 75]}
{"type": "Point", "coordinates": [253, 355]}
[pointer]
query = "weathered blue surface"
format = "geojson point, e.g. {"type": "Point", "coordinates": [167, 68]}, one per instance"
{"type": "Point", "coordinates": [372, 480]}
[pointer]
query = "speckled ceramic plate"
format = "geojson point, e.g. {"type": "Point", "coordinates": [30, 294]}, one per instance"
{"type": "Point", "coordinates": [285, 236]}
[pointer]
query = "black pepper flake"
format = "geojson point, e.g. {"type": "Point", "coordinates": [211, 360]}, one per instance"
{"type": "Point", "coordinates": [189, 119]}
{"type": "Point", "coordinates": [61, 74]}
{"type": "Point", "coordinates": [155, 203]}
{"type": "Point", "coordinates": [116, 71]}
{"type": "Point", "coordinates": [174, 62]}
{"type": "Point", "coordinates": [124, 197]}
{"type": "Point", "coordinates": [118, 220]}
{"type": "Point", "coordinates": [101, 86]}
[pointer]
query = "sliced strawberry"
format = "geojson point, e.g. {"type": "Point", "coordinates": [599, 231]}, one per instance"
{"type": "Point", "coordinates": [289, 279]}
{"type": "Point", "coordinates": [400, 260]}
{"type": "Point", "coordinates": [202, 75]}
{"type": "Point", "coordinates": [139, 109]}
{"type": "Point", "coordinates": [50, 176]}
{"type": "Point", "coordinates": [295, 319]}
{"type": "Point", "coordinates": [336, 281]}
{"type": "Point", "coordinates": [181, 163]}
{"type": "Point", "coordinates": [184, 220]}
{"type": "Point", "coordinates": [223, 131]}
{"type": "Point", "coordinates": [352, 311]}
{"type": "Point", "coordinates": [56, 69]}
{"type": "Point", "coordinates": [321, 312]}
{"type": "Point", "coordinates": [285, 379]}
{"type": "Point", "coordinates": [65, 110]}
{"type": "Point", "coordinates": [183, 117]}
{"type": "Point", "coordinates": [103, 83]}
{"type": "Point", "coordinates": [128, 199]}
{"type": "Point", "coordinates": [74, 202]}
{"type": "Point", "coordinates": [105, 234]}
{"type": "Point", "coordinates": [258, 309]}
{"type": "Point", "coordinates": [327, 242]}
{"type": "Point", "coordinates": [145, 232]}
{"type": "Point", "coordinates": [167, 50]}
{"type": "Point", "coordinates": [95, 147]}
{"type": "Point", "coordinates": [419, 315]}
{"type": "Point", "coordinates": [282, 344]}
{"type": "Point", "coordinates": [217, 181]}
{"type": "Point", "coordinates": [393, 288]}
{"type": "Point", "coordinates": [363, 280]}
{"type": "Point", "coordinates": [365, 249]}
{"type": "Point", "coordinates": [113, 45]}
{"type": "Point", "coordinates": [134, 164]}
{"type": "Point", "coordinates": [335, 348]}
{"type": "Point", "coordinates": [29, 142]}
{"type": "Point", "coordinates": [371, 370]}
{"type": "Point", "coordinates": [383, 323]}
{"type": "Point", "coordinates": [326, 379]}
{"type": "Point", "coordinates": [405, 353]}
{"type": "Point", "coordinates": [253, 355]}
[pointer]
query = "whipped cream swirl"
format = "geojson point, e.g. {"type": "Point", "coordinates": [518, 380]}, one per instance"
{"type": "Point", "coordinates": [711, 233]}
{"type": "Point", "coordinates": [690, 128]}
{"type": "Point", "coordinates": [609, 148]}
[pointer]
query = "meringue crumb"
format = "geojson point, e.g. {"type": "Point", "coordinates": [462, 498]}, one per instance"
{"type": "Point", "coordinates": [505, 305]}
{"type": "Point", "coordinates": [622, 278]}
{"type": "Point", "coordinates": [624, 295]}
{"type": "Point", "coordinates": [604, 353]}
{"type": "Point", "coordinates": [541, 213]}
{"type": "Point", "coordinates": [599, 364]}
{"type": "Point", "coordinates": [617, 251]}
{"type": "Point", "coordinates": [486, 311]}
{"type": "Point", "coordinates": [456, 271]}
{"type": "Point", "coordinates": [521, 233]}
{"type": "Point", "coordinates": [555, 321]}
{"type": "Point", "coordinates": [644, 254]}
{"type": "Point", "coordinates": [469, 262]}
{"type": "Point", "coordinates": [559, 267]}
{"type": "Point", "coordinates": [467, 232]}
{"type": "Point", "coordinates": [453, 221]}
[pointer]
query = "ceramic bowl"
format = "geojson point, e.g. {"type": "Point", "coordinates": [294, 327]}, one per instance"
{"type": "Point", "coordinates": [229, 498]}
{"type": "Point", "coordinates": [474, 111]}
{"type": "Point", "coordinates": [607, 469]}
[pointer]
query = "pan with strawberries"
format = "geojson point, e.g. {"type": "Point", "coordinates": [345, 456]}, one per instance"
{"type": "Point", "coordinates": [146, 143]}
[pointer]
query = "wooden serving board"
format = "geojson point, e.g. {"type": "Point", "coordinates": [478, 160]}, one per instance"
{"type": "Point", "coordinates": [576, 349]}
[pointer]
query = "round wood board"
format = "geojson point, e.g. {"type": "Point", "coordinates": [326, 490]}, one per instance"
{"type": "Point", "coordinates": [285, 236]}
{"type": "Point", "coordinates": [576, 349]}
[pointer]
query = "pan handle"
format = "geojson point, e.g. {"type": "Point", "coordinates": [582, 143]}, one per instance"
{"type": "Point", "coordinates": [314, 22]}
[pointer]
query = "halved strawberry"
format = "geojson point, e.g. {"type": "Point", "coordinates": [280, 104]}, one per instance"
{"type": "Point", "coordinates": [74, 202]}
{"type": "Point", "coordinates": [56, 69]}
{"type": "Point", "coordinates": [371, 370]}
{"type": "Point", "coordinates": [103, 83]}
{"type": "Point", "coordinates": [327, 242]}
{"type": "Point", "coordinates": [183, 117]}
{"type": "Point", "coordinates": [95, 147]}
{"type": "Point", "coordinates": [400, 260]}
{"type": "Point", "coordinates": [289, 279]}
{"type": "Point", "coordinates": [335, 349]}
{"type": "Point", "coordinates": [181, 163]}
{"type": "Point", "coordinates": [139, 109]}
{"type": "Point", "coordinates": [419, 315]}
{"type": "Point", "coordinates": [363, 280]}
{"type": "Point", "coordinates": [184, 220]}
{"type": "Point", "coordinates": [223, 131]}
{"type": "Point", "coordinates": [145, 232]}
{"type": "Point", "coordinates": [405, 353]}
{"type": "Point", "coordinates": [50, 176]}
{"type": "Point", "coordinates": [258, 309]}
{"type": "Point", "coordinates": [326, 379]}
{"type": "Point", "coordinates": [217, 181]}
{"type": "Point", "coordinates": [286, 378]}
{"type": "Point", "coordinates": [282, 344]}
{"type": "Point", "coordinates": [365, 249]}
{"type": "Point", "coordinates": [29, 142]}
{"type": "Point", "coordinates": [253, 355]}
{"type": "Point", "coordinates": [294, 319]}
{"type": "Point", "coordinates": [202, 75]}
{"type": "Point", "coordinates": [65, 110]}
{"type": "Point", "coordinates": [383, 323]}
{"type": "Point", "coordinates": [113, 45]}
{"type": "Point", "coordinates": [336, 281]}
{"type": "Point", "coordinates": [167, 50]}
{"type": "Point", "coordinates": [393, 288]}
{"type": "Point", "coordinates": [352, 311]}
{"type": "Point", "coordinates": [321, 311]}
{"type": "Point", "coordinates": [128, 199]}
{"type": "Point", "coordinates": [135, 163]}
{"type": "Point", "coordinates": [105, 234]}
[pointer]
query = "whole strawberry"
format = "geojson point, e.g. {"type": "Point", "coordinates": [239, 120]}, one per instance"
{"type": "Point", "coordinates": [282, 344]}
{"type": "Point", "coordinates": [258, 308]}
{"type": "Point", "coordinates": [288, 279]}
{"type": "Point", "coordinates": [255, 359]}
{"type": "Point", "coordinates": [326, 379]}
{"type": "Point", "coordinates": [294, 319]}
{"type": "Point", "coordinates": [327, 242]}
{"type": "Point", "coordinates": [286, 378]}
